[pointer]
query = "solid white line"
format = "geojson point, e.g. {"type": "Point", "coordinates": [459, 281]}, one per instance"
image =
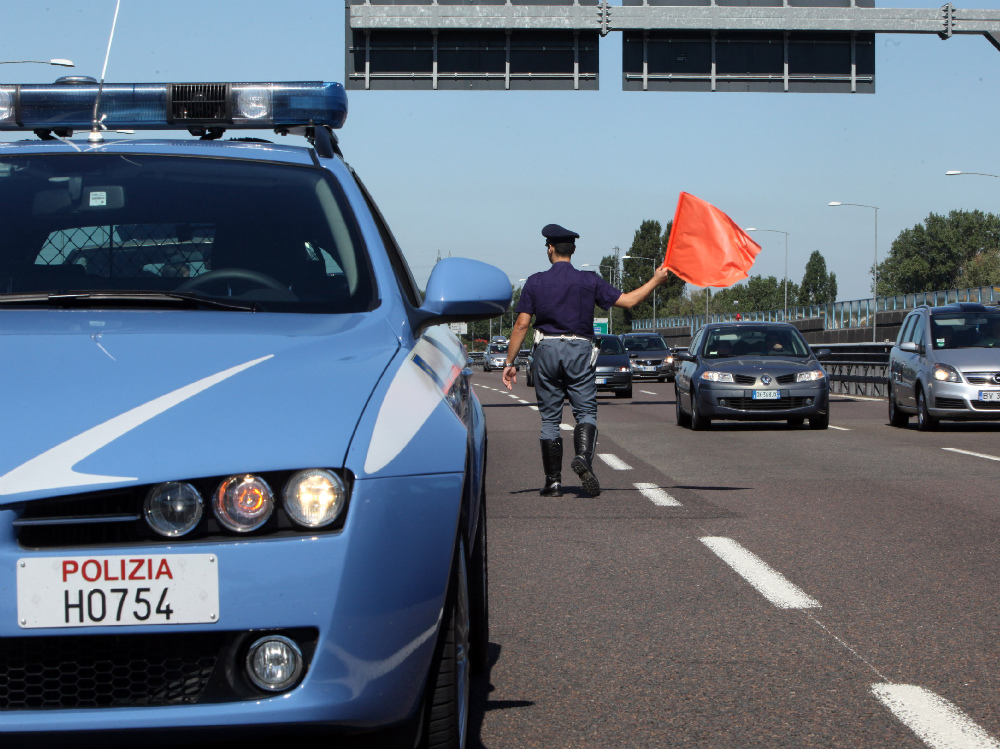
{"type": "Point", "coordinates": [564, 427]}
{"type": "Point", "coordinates": [841, 429]}
{"type": "Point", "coordinates": [648, 393]}
{"type": "Point", "coordinates": [614, 462]}
{"type": "Point", "coordinates": [935, 721]}
{"type": "Point", "coordinates": [769, 582]}
{"type": "Point", "coordinates": [656, 495]}
{"type": "Point", "coordinates": [966, 452]}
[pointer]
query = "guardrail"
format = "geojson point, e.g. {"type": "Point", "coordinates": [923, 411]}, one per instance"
{"type": "Point", "coordinates": [854, 313]}
{"type": "Point", "coordinates": [858, 368]}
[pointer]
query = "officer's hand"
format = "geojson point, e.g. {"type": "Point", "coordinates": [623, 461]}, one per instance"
{"type": "Point", "coordinates": [660, 275]}
{"type": "Point", "coordinates": [510, 377]}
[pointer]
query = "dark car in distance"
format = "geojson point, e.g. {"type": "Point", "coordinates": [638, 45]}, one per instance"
{"type": "Point", "coordinates": [751, 371]}
{"type": "Point", "coordinates": [614, 370]}
{"type": "Point", "coordinates": [650, 355]}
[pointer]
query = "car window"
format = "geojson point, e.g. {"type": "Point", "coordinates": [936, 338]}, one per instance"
{"type": "Point", "coordinates": [611, 345]}
{"type": "Point", "coordinates": [754, 340]}
{"type": "Point", "coordinates": [695, 342]}
{"type": "Point", "coordinates": [917, 333]}
{"type": "Point", "coordinates": [496, 348]}
{"type": "Point", "coordinates": [905, 331]}
{"type": "Point", "coordinates": [278, 235]}
{"type": "Point", "coordinates": [644, 343]}
{"type": "Point", "coordinates": [965, 330]}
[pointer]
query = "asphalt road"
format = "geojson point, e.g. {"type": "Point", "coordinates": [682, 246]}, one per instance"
{"type": "Point", "coordinates": [767, 586]}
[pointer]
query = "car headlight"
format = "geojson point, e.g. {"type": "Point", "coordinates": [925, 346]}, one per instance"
{"type": "Point", "coordinates": [173, 509]}
{"type": "Point", "coordinates": [624, 369]}
{"type": "Point", "coordinates": [717, 376]}
{"type": "Point", "coordinates": [243, 503]}
{"type": "Point", "coordinates": [314, 498]}
{"type": "Point", "coordinates": [946, 373]}
{"type": "Point", "coordinates": [811, 376]}
{"type": "Point", "coordinates": [669, 360]}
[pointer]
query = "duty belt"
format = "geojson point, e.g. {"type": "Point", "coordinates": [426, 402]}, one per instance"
{"type": "Point", "coordinates": [540, 336]}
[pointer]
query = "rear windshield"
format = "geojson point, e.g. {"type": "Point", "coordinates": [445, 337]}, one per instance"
{"type": "Point", "coordinates": [969, 330]}
{"type": "Point", "coordinates": [282, 237]}
{"type": "Point", "coordinates": [753, 340]}
{"type": "Point", "coordinates": [645, 343]}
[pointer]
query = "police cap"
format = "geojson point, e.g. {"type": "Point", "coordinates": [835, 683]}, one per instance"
{"type": "Point", "coordinates": [556, 234]}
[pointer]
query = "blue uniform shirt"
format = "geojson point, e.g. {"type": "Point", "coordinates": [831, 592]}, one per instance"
{"type": "Point", "coordinates": [562, 299]}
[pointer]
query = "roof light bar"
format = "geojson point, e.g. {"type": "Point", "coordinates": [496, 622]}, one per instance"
{"type": "Point", "coordinates": [172, 106]}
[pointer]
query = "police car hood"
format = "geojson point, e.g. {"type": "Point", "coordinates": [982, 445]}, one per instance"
{"type": "Point", "coordinates": [93, 399]}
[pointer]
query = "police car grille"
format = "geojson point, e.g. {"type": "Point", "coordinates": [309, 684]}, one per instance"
{"type": "Point", "coordinates": [66, 672]}
{"type": "Point", "coordinates": [198, 101]}
{"type": "Point", "coordinates": [749, 404]}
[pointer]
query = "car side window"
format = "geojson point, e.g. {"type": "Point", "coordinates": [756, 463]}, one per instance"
{"type": "Point", "coordinates": [917, 334]}
{"type": "Point", "coordinates": [695, 342]}
{"type": "Point", "coordinates": [904, 331]}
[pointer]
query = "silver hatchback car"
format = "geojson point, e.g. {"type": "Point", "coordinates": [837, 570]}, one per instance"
{"type": "Point", "coordinates": [945, 364]}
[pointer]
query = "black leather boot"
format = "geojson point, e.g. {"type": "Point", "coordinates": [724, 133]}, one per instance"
{"type": "Point", "coordinates": [552, 463]}
{"type": "Point", "coordinates": [584, 443]}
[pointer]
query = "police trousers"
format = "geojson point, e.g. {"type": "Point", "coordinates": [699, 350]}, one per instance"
{"type": "Point", "coordinates": [563, 369]}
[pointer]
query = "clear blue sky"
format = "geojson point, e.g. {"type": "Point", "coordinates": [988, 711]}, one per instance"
{"type": "Point", "coordinates": [477, 174]}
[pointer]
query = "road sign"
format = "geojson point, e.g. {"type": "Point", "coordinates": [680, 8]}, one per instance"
{"type": "Point", "coordinates": [601, 326]}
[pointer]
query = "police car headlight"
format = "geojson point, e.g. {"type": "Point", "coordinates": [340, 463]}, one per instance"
{"type": "Point", "coordinates": [717, 376]}
{"type": "Point", "coordinates": [243, 503]}
{"type": "Point", "coordinates": [810, 376]}
{"type": "Point", "coordinates": [173, 509]}
{"type": "Point", "coordinates": [946, 373]}
{"type": "Point", "coordinates": [314, 498]}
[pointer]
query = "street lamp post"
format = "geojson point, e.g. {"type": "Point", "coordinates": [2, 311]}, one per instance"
{"type": "Point", "coordinates": [654, 261]}
{"type": "Point", "coordinates": [778, 231]}
{"type": "Point", "coordinates": [978, 174]}
{"type": "Point", "coordinates": [874, 267]}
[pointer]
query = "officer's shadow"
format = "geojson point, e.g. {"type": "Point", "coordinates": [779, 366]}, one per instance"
{"type": "Point", "coordinates": [480, 688]}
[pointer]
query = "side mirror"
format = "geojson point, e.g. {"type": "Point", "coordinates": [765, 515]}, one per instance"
{"type": "Point", "coordinates": [684, 356]}
{"type": "Point", "coordinates": [824, 353]}
{"type": "Point", "coordinates": [463, 290]}
{"type": "Point", "coordinates": [909, 347]}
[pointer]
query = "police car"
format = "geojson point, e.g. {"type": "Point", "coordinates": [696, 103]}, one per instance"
{"type": "Point", "coordinates": [241, 469]}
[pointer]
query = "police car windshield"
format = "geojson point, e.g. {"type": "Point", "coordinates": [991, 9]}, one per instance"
{"type": "Point", "coordinates": [754, 340]}
{"type": "Point", "coordinates": [276, 237]}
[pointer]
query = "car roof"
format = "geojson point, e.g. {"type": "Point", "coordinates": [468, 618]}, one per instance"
{"type": "Point", "coordinates": [958, 307]}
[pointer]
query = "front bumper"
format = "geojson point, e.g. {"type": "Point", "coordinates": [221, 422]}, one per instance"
{"type": "Point", "coordinates": [961, 401]}
{"type": "Point", "coordinates": [613, 381]}
{"type": "Point", "coordinates": [726, 401]}
{"type": "Point", "coordinates": [370, 596]}
{"type": "Point", "coordinates": [665, 371]}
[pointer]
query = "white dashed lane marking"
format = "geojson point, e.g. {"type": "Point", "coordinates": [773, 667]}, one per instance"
{"type": "Point", "coordinates": [656, 495]}
{"type": "Point", "coordinates": [533, 408]}
{"type": "Point", "coordinates": [614, 462]}
{"type": "Point", "coordinates": [768, 582]}
{"type": "Point", "coordinates": [842, 429]}
{"type": "Point", "coordinates": [974, 455]}
{"type": "Point", "coordinates": [647, 392]}
{"type": "Point", "coordinates": [566, 427]}
{"type": "Point", "coordinates": [935, 721]}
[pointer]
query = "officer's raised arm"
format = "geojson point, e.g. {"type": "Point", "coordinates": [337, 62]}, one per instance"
{"type": "Point", "coordinates": [631, 298]}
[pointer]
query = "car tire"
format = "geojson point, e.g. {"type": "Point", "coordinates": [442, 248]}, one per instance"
{"type": "Point", "coordinates": [528, 379]}
{"type": "Point", "coordinates": [661, 379]}
{"type": "Point", "coordinates": [624, 393]}
{"type": "Point", "coordinates": [819, 421]}
{"type": "Point", "coordinates": [896, 417]}
{"type": "Point", "coordinates": [479, 595]}
{"type": "Point", "coordinates": [683, 419]}
{"type": "Point", "coordinates": [796, 421]}
{"type": "Point", "coordinates": [925, 422]}
{"type": "Point", "coordinates": [447, 709]}
{"type": "Point", "coordinates": [698, 422]}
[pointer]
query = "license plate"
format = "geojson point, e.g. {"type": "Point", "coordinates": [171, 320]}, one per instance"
{"type": "Point", "coordinates": [649, 369]}
{"type": "Point", "coordinates": [989, 395]}
{"type": "Point", "coordinates": [108, 591]}
{"type": "Point", "coordinates": [766, 395]}
{"type": "Point", "coordinates": [601, 380]}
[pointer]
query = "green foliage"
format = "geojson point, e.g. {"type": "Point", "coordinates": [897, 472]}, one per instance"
{"type": "Point", "coordinates": [818, 286]}
{"type": "Point", "coordinates": [756, 294]}
{"type": "Point", "coordinates": [610, 271]}
{"type": "Point", "coordinates": [957, 250]}
{"type": "Point", "coordinates": [646, 253]}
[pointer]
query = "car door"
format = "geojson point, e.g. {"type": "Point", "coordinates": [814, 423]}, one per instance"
{"type": "Point", "coordinates": [910, 363]}
{"type": "Point", "coordinates": [897, 356]}
{"type": "Point", "coordinates": [683, 378]}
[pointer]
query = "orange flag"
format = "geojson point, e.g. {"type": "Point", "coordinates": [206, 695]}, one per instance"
{"type": "Point", "coordinates": [706, 247]}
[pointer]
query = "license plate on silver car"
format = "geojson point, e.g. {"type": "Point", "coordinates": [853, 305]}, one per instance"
{"type": "Point", "coordinates": [601, 380]}
{"type": "Point", "coordinates": [989, 395]}
{"type": "Point", "coordinates": [766, 395]}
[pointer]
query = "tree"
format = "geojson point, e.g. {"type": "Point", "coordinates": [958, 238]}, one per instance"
{"type": "Point", "coordinates": [756, 294]}
{"type": "Point", "coordinates": [610, 271]}
{"type": "Point", "coordinates": [957, 250]}
{"type": "Point", "coordinates": [818, 286]}
{"type": "Point", "coordinates": [674, 287]}
{"type": "Point", "coordinates": [646, 244]}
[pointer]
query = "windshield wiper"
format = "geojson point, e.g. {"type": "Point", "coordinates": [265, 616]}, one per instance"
{"type": "Point", "coordinates": [125, 298]}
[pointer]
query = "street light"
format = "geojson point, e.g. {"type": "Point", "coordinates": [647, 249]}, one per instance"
{"type": "Point", "coordinates": [57, 61]}
{"type": "Point", "coordinates": [654, 261]}
{"type": "Point", "coordinates": [778, 231]}
{"type": "Point", "coordinates": [980, 174]}
{"type": "Point", "coordinates": [874, 267]}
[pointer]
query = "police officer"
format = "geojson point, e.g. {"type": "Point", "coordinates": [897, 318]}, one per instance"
{"type": "Point", "coordinates": [562, 300]}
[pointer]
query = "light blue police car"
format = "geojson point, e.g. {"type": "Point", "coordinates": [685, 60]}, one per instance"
{"type": "Point", "coordinates": [241, 465]}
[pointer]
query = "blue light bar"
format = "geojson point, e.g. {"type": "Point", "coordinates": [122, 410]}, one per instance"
{"type": "Point", "coordinates": [172, 106]}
